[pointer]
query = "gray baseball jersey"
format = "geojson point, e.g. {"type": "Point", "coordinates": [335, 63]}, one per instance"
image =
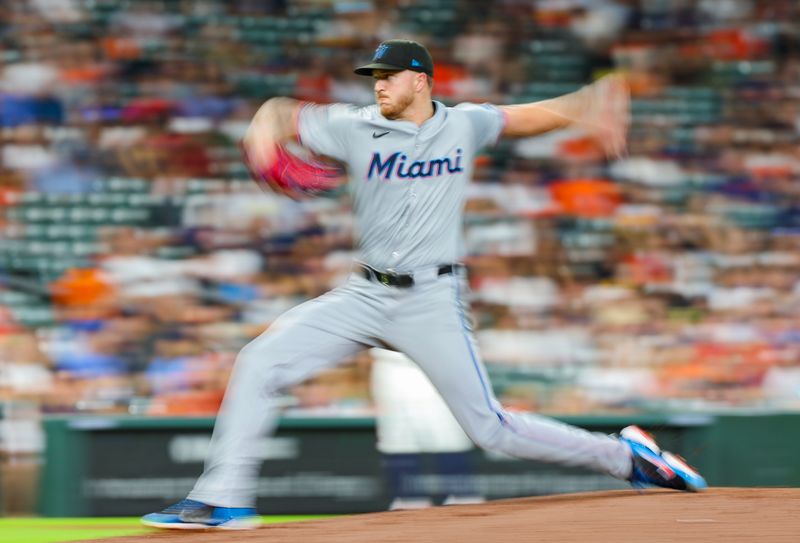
{"type": "Point", "coordinates": [408, 182]}
{"type": "Point", "coordinates": [408, 185]}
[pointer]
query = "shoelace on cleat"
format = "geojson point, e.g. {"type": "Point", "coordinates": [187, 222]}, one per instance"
{"type": "Point", "coordinates": [183, 505]}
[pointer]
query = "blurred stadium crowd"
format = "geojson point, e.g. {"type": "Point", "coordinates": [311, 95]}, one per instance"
{"type": "Point", "coordinates": [136, 257]}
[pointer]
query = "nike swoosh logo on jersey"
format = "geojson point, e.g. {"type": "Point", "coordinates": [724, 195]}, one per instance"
{"type": "Point", "coordinates": [376, 136]}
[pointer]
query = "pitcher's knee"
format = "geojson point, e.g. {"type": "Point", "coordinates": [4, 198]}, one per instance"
{"type": "Point", "coordinates": [489, 439]}
{"type": "Point", "coordinates": [260, 363]}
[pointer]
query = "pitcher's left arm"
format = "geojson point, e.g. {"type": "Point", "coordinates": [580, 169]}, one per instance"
{"type": "Point", "coordinates": [601, 108]}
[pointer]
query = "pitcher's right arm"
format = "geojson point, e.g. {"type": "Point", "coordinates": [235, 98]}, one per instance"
{"type": "Point", "coordinates": [274, 123]}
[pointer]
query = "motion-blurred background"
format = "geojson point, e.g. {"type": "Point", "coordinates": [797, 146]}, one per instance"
{"type": "Point", "coordinates": [136, 257]}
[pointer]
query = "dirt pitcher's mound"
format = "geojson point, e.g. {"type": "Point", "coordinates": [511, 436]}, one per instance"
{"type": "Point", "coordinates": [720, 514]}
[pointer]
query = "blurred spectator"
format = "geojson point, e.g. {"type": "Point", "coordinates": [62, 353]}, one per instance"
{"type": "Point", "coordinates": [26, 380]}
{"type": "Point", "coordinates": [25, 373]}
{"type": "Point", "coordinates": [183, 378]}
{"type": "Point", "coordinates": [71, 173]}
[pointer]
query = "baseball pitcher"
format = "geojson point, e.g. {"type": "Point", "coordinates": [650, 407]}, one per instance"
{"type": "Point", "coordinates": [409, 160]}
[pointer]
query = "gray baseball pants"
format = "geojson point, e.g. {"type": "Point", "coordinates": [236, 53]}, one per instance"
{"type": "Point", "coordinates": [430, 323]}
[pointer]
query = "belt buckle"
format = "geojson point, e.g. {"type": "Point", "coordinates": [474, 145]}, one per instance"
{"type": "Point", "coordinates": [385, 277]}
{"type": "Point", "coordinates": [391, 278]}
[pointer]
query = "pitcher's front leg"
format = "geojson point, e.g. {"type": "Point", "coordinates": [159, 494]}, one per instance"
{"type": "Point", "coordinates": [300, 344]}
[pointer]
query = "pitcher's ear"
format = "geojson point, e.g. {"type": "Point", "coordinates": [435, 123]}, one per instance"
{"type": "Point", "coordinates": [422, 80]}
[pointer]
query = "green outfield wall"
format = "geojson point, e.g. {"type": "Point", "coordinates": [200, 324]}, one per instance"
{"type": "Point", "coordinates": [116, 466]}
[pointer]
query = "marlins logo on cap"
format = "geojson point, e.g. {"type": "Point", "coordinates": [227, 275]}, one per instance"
{"type": "Point", "coordinates": [380, 51]}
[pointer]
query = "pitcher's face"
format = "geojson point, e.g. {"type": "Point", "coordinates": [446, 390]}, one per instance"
{"type": "Point", "coordinates": [395, 91]}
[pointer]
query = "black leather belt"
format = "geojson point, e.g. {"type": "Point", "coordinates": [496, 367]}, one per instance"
{"type": "Point", "coordinates": [399, 280]}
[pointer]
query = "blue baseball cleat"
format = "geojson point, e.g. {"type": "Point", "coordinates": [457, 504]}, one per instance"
{"type": "Point", "coordinates": [193, 515]}
{"type": "Point", "coordinates": [654, 467]}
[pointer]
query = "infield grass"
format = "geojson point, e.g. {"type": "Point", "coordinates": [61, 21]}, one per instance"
{"type": "Point", "coordinates": [59, 530]}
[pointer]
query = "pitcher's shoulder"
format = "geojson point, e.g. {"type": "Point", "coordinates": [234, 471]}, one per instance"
{"type": "Point", "coordinates": [368, 113]}
{"type": "Point", "coordinates": [340, 109]}
{"type": "Point", "coordinates": [465, 108]}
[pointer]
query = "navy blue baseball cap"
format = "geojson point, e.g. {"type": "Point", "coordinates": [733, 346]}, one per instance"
{"type": "Point", "coordinates": [399, 55]}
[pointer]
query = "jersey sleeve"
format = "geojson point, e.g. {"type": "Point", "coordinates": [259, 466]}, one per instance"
{"type": "Point", "coordinates": [324, 128]}
{"type": "Point", "coordinates": [487, 122]}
